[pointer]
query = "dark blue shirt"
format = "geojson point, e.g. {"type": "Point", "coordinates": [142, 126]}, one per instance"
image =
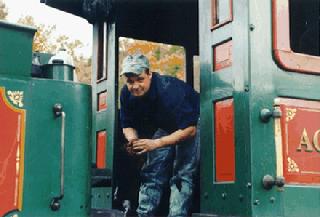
{"type": "Point", "coordinates": [170, 104]}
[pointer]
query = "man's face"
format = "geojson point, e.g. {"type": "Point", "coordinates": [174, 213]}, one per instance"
{"type": "Point", "coordinates": [138, 85]}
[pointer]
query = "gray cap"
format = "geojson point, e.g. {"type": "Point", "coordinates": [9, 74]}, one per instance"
{"type": "Point", "coordinates": [135, 64]}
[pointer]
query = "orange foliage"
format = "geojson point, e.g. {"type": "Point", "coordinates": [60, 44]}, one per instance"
{"type": "Point", "coordinates": [163, 58]}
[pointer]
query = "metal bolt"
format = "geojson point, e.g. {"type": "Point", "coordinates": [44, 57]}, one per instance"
{"type": "Point", "coordinates": [224, 195]}
{"type": "Point", "coordinates": [206, 195]}
{"type": "Point", "coordinates": [249, 185]}
{"type": "Point", "coordinates": [272, 199]}
{"type": "Point", "coordinates": [241, 197]}
{"type": "Point", "coordinates": [246, 87]}
{"type": "Point", "coordinates": [251, 27]}
{"type": "Point", "coordinates": [256, 202]}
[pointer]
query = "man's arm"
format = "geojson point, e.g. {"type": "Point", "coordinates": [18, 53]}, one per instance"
{"type": "Point", "coordinates": [130, 134]}
{"type": "Point", "coordinates": [145, 145]}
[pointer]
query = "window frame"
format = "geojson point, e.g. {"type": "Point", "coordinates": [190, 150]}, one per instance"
{"type": "Point", "coordinates": [282, 52]}
{"type": "Point", "coordinates": [215, 24]}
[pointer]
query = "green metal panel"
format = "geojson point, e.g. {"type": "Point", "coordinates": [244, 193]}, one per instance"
{"type": "Point", "coordinates": [101, 198]}
{"type": "Point", "coordinates": [16, 56]}
{"type": "Point", "coordinates": [267, 83]}
{"type": "Point", "coordinates": [42, 146]}
{"type": "Point", "coordinates": [225, 199]}
{"type": "Point", "coordinates": [105, 119]}
{"type": "Point", "coordinates": [255, 80]}
{"type": "Point", "coordinates": [58, 71]}
{"type": "Point", "coordinates": [264, 203]}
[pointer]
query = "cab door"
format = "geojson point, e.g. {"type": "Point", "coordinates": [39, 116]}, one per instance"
{"type": "Point", "coordinates": [296, 50]}
{"type": "Point", "coordinates": [225, 157]}
{"type": "Point", "coordinates": [259, 108]}
{"type": "Point", "coordinates": [104, 112]}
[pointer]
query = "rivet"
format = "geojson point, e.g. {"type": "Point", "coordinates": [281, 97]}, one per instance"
{"type": "Point", "coordinates": [205, 195]}
{"type": "Point", "coordinates": [272, 199]}
{"type": "Point", "coordinates": [251, 27]}
{"type": "Point", "coordinates": [256, 202]}
{"type": "Point", "coordinates": [249, 185]}
{"type": "Point", "coordinates": [241, 197]}
{"type": "Point", "coordinates": [224, 195]}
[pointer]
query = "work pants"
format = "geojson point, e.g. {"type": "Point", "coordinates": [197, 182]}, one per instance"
{"type": "Point", "coordinates": [175, 165]}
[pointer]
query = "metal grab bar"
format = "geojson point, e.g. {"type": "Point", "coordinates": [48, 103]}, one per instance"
{"type": "Point", "coordinates": [55, 202]}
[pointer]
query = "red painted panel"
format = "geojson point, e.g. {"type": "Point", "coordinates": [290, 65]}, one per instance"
{"type": "Point", "coordinates": [222, 55]}
{"type": "Point", "coordinates": [215, 22]}
{"type": "Point", "coordinates": [11, 155]}
{"type": "Point", "coordinates": [224, 141]}
{"type": "Point", "coordinates": [300, 125]}
{"type": "Point", "coordinates": [102, 101]}
{"type": "Point", "coordinates": [283, 53]}
{"type": "Point", "coordinates": [101, 149]}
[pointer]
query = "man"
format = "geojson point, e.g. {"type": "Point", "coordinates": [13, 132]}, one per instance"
{"type": "Point", "coordinates": [159, 116]}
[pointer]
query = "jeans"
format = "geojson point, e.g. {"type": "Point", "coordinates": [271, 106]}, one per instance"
{"type": "Point", "coordinates": [175, 165]}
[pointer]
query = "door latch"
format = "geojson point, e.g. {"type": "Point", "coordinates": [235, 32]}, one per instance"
{"type": "Point", "coordinates": [268, 182]}
{"type": "Point", "coordinates": [266, 114]}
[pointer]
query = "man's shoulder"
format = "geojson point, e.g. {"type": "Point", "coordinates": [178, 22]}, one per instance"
{"type": "Point", "coordinates": [124, 93]}
{"type": "Point", "coordinates": [124, 89]}
{"type": "Point", "coordinates": [165, 82]}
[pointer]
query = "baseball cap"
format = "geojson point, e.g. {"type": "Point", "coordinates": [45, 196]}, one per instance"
{"type": "Point", "coordinates": [135, 64]}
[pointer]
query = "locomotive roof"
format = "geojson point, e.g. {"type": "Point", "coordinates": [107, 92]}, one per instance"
{"type": "Point", "coordinates": [166, 21]}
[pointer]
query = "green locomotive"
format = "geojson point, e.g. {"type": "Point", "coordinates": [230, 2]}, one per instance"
{"type": "Point", "coordinates": [259, 72]}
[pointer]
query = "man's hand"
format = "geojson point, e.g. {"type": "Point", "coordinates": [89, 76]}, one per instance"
{"type": "Point", "coordinates": [141, 146]}
{"type": "Point", "coordinates": [129, 147]}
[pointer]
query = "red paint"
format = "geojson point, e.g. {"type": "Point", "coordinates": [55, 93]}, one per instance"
{"type": "Point", "coordinates": [215, 23]}
{"type": "Point", "coordinates": [222, 56]}
{"type": "Point", "coordinates": [282, 51]}
{"type": "Point", "coordinates": [102, 101]}
{"type": "Point", "coordinates": [101, 149]}
{"type": "Point", "coordinates": [307, 116]}
{"type": "Point", "coordinates": [11, 155]}
{"type": "Point", "coordinates": [224, 141]}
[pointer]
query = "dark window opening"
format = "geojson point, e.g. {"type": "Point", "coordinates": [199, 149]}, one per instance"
{"type": "Point", "coordinates": [102, 52]}
{"type": "Point", "coordinates": [304, 26]}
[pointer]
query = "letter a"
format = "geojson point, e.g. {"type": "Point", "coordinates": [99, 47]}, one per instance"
{"type": "Point", "coordinates": [304, 141]}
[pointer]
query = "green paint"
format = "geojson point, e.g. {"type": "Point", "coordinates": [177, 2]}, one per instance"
{"type": "Point", "coordinates": [253, 81]}
{"type": "Point", "coordinates": [101, 198]}
{"type": "Point", "coordinates": [107, 119]}
{"type": "Point", "coordinates": [16, 56]}
{"type": "Point", "coordinates": [58, 71]}
{"type": "Point", "coordinates": [42, 146]}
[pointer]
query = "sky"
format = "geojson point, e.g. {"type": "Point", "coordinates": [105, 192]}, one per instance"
{"type": "Point", "coordinates": [66, 24]}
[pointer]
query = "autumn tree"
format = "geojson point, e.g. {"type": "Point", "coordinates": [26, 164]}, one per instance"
{"type": "Point", "coordinates": [163, 58]}
{"type": "Point", "coordinates": [41, 40]}
{"type": "Point", "coordinates": [44, 41]}
{"type": "Point", "coordinates": [3, 10]}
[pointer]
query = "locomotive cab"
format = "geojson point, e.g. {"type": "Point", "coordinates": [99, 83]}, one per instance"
{"type": "Point", "coordinates": [168, 22]}
{"type": "Point", "coordinates": [260, 65]}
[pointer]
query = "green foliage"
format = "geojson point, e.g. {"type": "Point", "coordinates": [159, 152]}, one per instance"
{"type": "Point", "coordinates": [176, 49]}
{"type": "Point", "coordinates": [173, 70]}
{"type": "Point", "coordinates": [157, 54]}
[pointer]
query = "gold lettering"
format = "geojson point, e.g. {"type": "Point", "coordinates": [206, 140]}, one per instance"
{"type": "Point", "coordinates": [316, 141]}
{"type": "Point", "coordinates": [304, 141]}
